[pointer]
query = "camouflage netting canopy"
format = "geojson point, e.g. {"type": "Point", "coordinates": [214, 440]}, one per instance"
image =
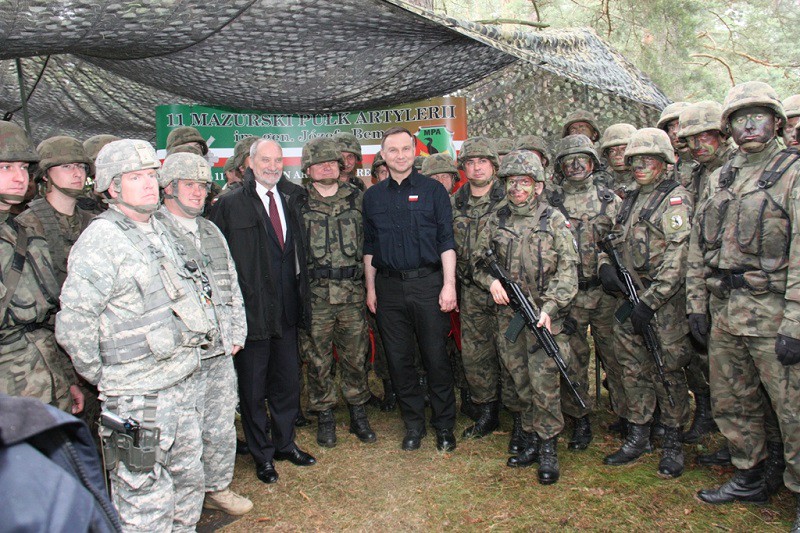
{"type": "Point", "coordinates": [101, 66]}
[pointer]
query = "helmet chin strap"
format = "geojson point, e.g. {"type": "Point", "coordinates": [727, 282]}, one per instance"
{"type": "Point", "coordinates": [480, 183]}
{"type": "Point", "coordinates": [12, 199]}
{"type": "Point", "coordinates": [146, 209]}
{"type": "Point", "coordinates": [327, 181]}
{"type": "Point", "coordinates": [72, 193]}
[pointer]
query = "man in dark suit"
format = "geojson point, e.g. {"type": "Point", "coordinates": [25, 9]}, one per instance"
{"type": "Point", "coordinates": [261, 222]}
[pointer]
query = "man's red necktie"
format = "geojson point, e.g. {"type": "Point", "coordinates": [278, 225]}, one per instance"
{"type": "Point", "coordinates": [275, 218]}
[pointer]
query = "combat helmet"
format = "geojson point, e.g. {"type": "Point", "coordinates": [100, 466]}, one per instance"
{"type": "Point", "coordinates": [700, 117]}
{"type": "Point", "coordinates": [478, 147]}
{"type": "Point", "coordinates": [184, 166]}
{"type": "Point", "coordinates": [616, 135]}
{"type": "Point", "coordinates": [321, 150]}
{"type": "Point", "coordinates": [522, 163]}
{"type": "Point", "coordinates": [118, 157]}
{"type": "Point", "coordinates": [185, 135]}
{"type": "Point", "coordinates": [791, 106]}
{"type": "Point", "coordinates": [93, 144]}
{"type": "Point", "coordinates": [533, 143]}
{"type": "Point", "coordinates": [15, 144]}
{"type": "Point", "coordinates": [581, 115]}
{"type": "Point", "coordinates": [652, 142]}
{"type": "Point", "coordinates": [504, 145]}
{"type": "Point", "coordinates": [750, 94]}
{"type": "Point", "coordinates": [576, 144]}
{"type": "Point", "coordinates": [349, 143]}
{"type": "Point", "coordinates": [670, 113]}
{"type": "Point", "coordinates": [62, 150]}
{"type": "Point", "coordinates": [242, 150]}
{"type": "Point", "coordinates": [440, 163]}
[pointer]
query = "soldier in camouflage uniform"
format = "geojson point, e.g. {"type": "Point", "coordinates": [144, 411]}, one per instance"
{"type": "Point", "coordinates": [442, 168]}
{"type": "Point", "coordinates": [472, 206]}
{"type": "Point", "coordinates": [684, 164]}
{"type": "Point", "coordinates": [748, 235]}
{"type": "Point", "coordinates": [132, 321]}
{"type": "Point", "coordinates": [332, 217]}
{"type": "Point", "coordinates": [378, 171]}
{"type": "Point", "coordinates": [536, 144]}
{"type": "Point", "coordinates": [653, 227]}
{"type": "Point", "coordinates": [591, 210]}
{"type": "Point", "coordinates": [94, 202]}
{"type": "Point", "coordinates": [532, 241]}
{"type": "Point", "coordinates": [187, 138]}
{"type": "Point", "coordinates": [709, 147]}
{"type": "Point", "coordinates": [581, 122]}
{"type": "Point", "coordinates": [791, 106]}
{"type": "Point", "coordinates": [64, 167]}
{"type": "Point", "coordinates": [30, 362]}
{"type": "Point", "coordinates": [351, 155]}
{"type": "Point", "coordinates": [612, 149]}
{"type": "Point", "coordinates": [185, 179]}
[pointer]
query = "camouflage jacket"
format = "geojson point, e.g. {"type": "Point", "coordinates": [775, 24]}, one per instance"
{"type": "Point", "coordinates": [537, 249]}
{"type": "Point", "coordinates": [130, 317]}
{"type": "Point", "coordinates": [654, 224]}
{"type": "Point", "coordinates": [59, 230]}
{"type": "Point", "coordinates": [701, 186]}
{"type": "Point", "coordinates": [35, 297]}
{"type": "Point", "coordinates": [209, 249]}
{"type": "Point", "coordinates": [683, 169]}
{"type": "Point", "coordinates": [751, 229]}
{"type": "Point", "coordinates": [591, 211]}
{"type": "Point", "coordinates": [624, 183]}
{"type": "Point", "coordinates": [334, 240]}
{"type": "Point", "coordinates": [470, 214]}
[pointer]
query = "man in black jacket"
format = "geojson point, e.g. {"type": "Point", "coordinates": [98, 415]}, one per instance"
{"type": "Point", "coordinates": [261, 222]}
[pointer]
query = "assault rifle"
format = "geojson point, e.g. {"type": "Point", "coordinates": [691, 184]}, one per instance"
{"type": "Point", "coordinates": [526, 315]}
{"type": "Point", "coordinates": [651, 341]}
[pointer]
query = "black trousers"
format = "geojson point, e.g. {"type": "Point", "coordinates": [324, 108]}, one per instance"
{"type": "Point", "coordinates": [409, 308]}
{"type": "Point", "coordinates": [268, 369]}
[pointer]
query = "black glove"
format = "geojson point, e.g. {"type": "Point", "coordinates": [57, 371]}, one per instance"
{"type": "Point", "coordinates": [610, 279]}
{"type": "Point", "coordinates": [641, 317]}
{"type": "Point", "coordinates": [570, 326]}
{"type": "Point", "coordinates": [698, 324]}
{"type": "Point", "coordinates": [788, 350]}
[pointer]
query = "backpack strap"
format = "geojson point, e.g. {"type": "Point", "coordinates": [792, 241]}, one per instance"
{"type": "Point", "coordinates": [779, 166]}
{"type": "Point", "coordinates": [12, 275]}
{"type": "Point", "coordinates": [662, 191]}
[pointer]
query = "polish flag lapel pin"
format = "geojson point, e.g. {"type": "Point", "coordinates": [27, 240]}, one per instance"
{"type": "Point", "coordinates": [413, 198]}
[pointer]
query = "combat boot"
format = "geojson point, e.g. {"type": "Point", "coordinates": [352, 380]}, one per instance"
{"type": "Point", "coordinates": [657, 429]}
{"type": "Point", "coordinates": [228, 502]}
{"type": "Point", "coordinates": [721, 457]}
{"type": "Point", "coordinates": [746, 486]}
{"type": "Point", "coordinates": [468, 407]}
{"type": "Point", "coordinates": [517, 442]}
{"type": "Point", "coordinates": [581, 434]}
{"type": "Point", "coordinates": [359, 425]}
{"type": "Point", "coordinates": [548, 462]}
{"type": "Point", "coordinates": [486, 423]}
{"type": "Point", "coordinates": [326, 429]}
{"type": "Point", "coordinates": [774, 467]}
{"type": "Point", "coordinates": [703, 421]}
{"type": "Point", "coordinates": [671, 464]}
{"type": "Point", "coordinates": [620, 426]}
{"type": "Point", "coordinates": [529, 455]}
{"type": "Point", "coordinates": [636, 443]}
{"type": "Point", "coordinates": [389, 402]}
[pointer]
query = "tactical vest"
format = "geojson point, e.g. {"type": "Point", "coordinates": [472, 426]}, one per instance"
{"type": "Point", "coordinates": [334, 242]}
{"type": "Point", "coordinates": [57, 243]}
{"type": "Point", "coordinates": [536, 284]}
{"type": "Point", "coordinates": [762, 231]}
{"type": "Point", "coordinates": [659, 194]}
{"type": "Point", "coordinates": [461, 202]}
{"type": "Point", "coordinates": [578, 231]}
{"type": "Point", "coordinates": [172, 318]}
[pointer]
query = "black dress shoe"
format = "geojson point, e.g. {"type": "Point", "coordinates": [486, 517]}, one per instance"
{"type": "Point", "coordinates": [297, 457]}
{"type": "Point", "coordinates": [445, 440]}
{"type": "Point", "coordinates": [242, 448]}
{"type": "Point", "coordinates": [266, 472]}
{"type": "Point", "coordinates": [413, 439]}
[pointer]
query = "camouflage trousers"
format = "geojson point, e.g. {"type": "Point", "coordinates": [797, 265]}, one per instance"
{"type": "Point", "coordinates": [217, 405]}
{"type": "Point", "coordinates": [343, 326]}
{"type": "Point", "coordinates": [642, 385]}
{"type": "Point", "coordinates": [697, 371]}
{"type": "Point", "coordinates": [478, 343]}
{"type": "Point", "coordinates": [601, 320]}
{"type": "Point", "coordinates": [36, 367]}
{"type": "Point", "coordinates": [535, 377]}
{"type": "Point", "coordinates": [169, 497]}
{"type": "Point", "coordinates": [746, 377]}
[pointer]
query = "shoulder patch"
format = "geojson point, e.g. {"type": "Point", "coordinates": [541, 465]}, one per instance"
{"type": "Point", "coordinates": [675, 200]}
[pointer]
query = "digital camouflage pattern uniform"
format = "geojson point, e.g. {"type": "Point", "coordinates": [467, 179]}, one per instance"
{"type": "Point", "coordinates": [334, 236]}
{"type": "Point", "coordinates": [591, 210]}
{"type": "Point", "coordinates": [534, 244]}
{"type": "Point", "coordinates": [653, 228]}
{"type": "Point", "coordinates": [30, 362]}
{"type": "Point", "coordinates": [133, 324]}
{"type": "Point", "coordinates": [197, 239]}
{"type": "Point", "coordinates": [749, 239]}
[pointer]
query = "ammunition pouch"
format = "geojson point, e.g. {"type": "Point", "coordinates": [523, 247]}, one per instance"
{"type": "Point", "coordinates": [140, 456]}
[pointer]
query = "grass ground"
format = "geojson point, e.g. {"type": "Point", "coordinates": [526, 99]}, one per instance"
{"type": "Point", "coordinates": [379, 487]}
